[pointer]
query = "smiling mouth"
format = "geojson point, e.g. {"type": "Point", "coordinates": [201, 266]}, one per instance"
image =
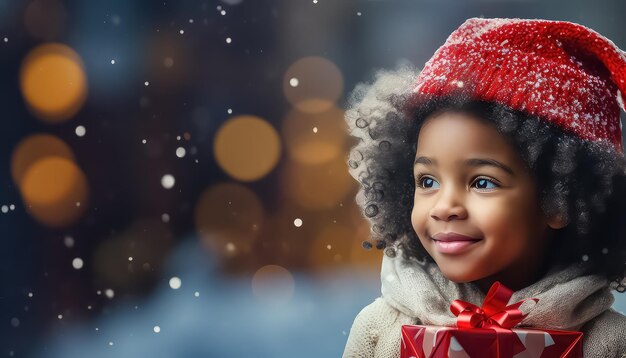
{"type": "Point", "coordinates": [454, 247]}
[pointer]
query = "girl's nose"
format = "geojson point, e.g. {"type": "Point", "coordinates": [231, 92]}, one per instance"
{"type": "Point", "coordinates": [448, 207]}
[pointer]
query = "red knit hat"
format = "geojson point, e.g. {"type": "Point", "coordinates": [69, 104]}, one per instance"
{"type": "Point", "coordinates": [559, 71]}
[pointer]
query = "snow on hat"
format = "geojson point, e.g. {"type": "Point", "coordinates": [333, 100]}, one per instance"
{"type": "Point", "coordinates": [562, 72]}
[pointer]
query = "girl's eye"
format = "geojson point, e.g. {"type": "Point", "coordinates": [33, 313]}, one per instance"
{"type": "Point", "coordinates": [484, 183]}
{"type": "Point", "coordinates": [426, 182]}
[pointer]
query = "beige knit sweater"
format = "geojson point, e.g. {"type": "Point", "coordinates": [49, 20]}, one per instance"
{"type": "Point", "coordinates": [417, 293]}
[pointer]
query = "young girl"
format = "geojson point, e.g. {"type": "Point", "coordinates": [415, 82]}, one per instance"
{"type": "Point", "coordinates": [500, 161]}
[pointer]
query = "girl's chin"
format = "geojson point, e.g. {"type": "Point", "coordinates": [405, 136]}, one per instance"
{"type": "Point", "coordinates": [460, 274]}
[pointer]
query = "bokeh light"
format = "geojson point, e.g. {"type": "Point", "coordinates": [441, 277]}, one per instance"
{"type": "Point", "coordinates": [273, 284]}
{"type": "Point", "coordinates": [55, 191]}
{"type": "Point", "coordinates": [318, 187]}
{"type": "Point", "coordinates": [247, 148]}
{"type": "Point", "coordinates": [319, 84]}
{"type": "Point", "coordinates": [228, 217]}
{"type": "Point", "coordinates": [314, 138]}
{"type": "Point", "coordinates": [35, 147]}
{"type": "Point", "coordinates": [53, 82]}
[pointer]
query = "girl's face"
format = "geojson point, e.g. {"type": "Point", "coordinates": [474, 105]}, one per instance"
{"type": "Point", "coordinates": [470, 181]}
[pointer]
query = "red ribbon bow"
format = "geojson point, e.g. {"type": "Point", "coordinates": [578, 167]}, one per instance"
{"type": "Point", "coordinates": [494, 313]}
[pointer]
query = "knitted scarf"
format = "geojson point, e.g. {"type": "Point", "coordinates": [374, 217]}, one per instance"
{"type": "Point", "coordinates": [567, 297]}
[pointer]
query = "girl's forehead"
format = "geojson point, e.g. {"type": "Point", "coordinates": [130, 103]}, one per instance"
{"type": "Point", "coordinates": [461, 128]}
{"type": "Point", "coordinates": [456, 136]}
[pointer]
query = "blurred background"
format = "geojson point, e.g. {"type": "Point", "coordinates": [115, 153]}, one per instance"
{"type": "Point", "coordinates": [173, 177]}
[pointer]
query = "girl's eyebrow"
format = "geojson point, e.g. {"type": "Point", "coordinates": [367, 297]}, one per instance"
{"type": "Point", "coordinates": [472, 162]}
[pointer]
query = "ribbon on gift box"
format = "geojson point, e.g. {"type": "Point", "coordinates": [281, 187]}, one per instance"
{"type": "Point", "coordinates": [494, 314]}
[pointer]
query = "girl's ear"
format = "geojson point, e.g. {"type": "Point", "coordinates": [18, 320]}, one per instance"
{"type": "Point", "coordinates": [557, 222]}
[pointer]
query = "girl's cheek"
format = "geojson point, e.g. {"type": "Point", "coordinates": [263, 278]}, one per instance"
{"type": "Point", "coordinates": [510, 216]}
{"type": "Point", "coordinates": [504, 230]}
{"type": "Point", "coordinates": [491, 219]}
{"type": "Point", "coordinates": [419, 216]}
{"type": "Point", "coordinates": [415, 217]}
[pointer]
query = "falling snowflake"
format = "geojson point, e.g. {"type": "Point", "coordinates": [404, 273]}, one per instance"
{"type": "Point", "coordinates": [167, 181]}
{"type": "Point", "coordinates": [77, 263]}
{"type": "Point", "coordinates": [81, 131]}
{"type": "Point", "coordinates": [68, 241]}
{"type": "Point", "coordinates": [109, 293]}
{"type": "Point", "coordinates": [175, 283]}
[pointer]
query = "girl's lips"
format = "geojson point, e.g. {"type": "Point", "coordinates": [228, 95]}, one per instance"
{"type": "Point", "coordinates": [453, 236]}
{"type": "Point", "coordinates": [454, 247]}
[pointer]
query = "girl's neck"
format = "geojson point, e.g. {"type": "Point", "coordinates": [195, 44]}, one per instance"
{"type": "Point", "coordinates": [515, 279]}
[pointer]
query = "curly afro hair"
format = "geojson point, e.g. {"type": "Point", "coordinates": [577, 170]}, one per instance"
{"type": "Point", "coordinates": [582, 181]}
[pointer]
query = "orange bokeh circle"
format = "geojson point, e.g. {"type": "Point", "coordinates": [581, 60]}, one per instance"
{"type": "Point", "coordinates": [53, 82]}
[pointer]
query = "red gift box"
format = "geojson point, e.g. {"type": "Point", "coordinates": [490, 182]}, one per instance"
{"type": "Point", "coordinates": [439, 342]}
{"type": "Point", "coordinates": [487, 332]}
